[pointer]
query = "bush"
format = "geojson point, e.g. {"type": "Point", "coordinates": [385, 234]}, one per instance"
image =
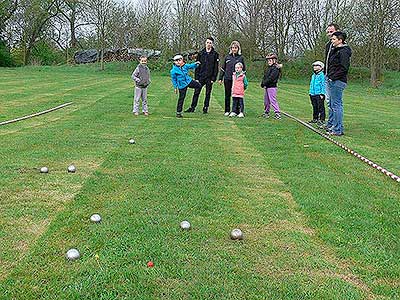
{"type": "Point", "coordinates": [5, 56]}
{"type": "Point", "coordinates": [44, 54]}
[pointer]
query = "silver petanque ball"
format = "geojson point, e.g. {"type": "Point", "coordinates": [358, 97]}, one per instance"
{"type": "Point", "coordinates": [95, 218]}
{"type": "Point", "coordinates": [72, 254]}
{"type": "Point", "coordinates": [236, 234]}
{"type": "Point", "coordinates": [132, 141]}
{"type": "Point", "coordinates": [185, 225]}
{"type": "Point", "coordinates": [71, 169]}
{"type": "Point", "coordinates": [44, 170]}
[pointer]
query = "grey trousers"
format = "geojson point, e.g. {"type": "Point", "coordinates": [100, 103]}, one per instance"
{"type": "Point", "coordinates": [140, 93]}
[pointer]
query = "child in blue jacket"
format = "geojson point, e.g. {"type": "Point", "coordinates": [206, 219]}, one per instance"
{"type": "Point", "coordinates": [181, 80]}
{"type": "Point", "coordinates": [317, 93]}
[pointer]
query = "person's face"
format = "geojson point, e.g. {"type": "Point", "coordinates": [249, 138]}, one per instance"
{"type": "Point", "coordinates": [335, 41]}
{"type": "Point", "coordinates": [234, 49]}
{"type": "Point", "coordinates": [178, 62]}
{"type": "Point", "coordinates": [238, 68]}
{"type": "Point", "coordinates": [209, 44]}
{"type": "Point", "coordinates": [270, 61]}
{"type": "Point", "coordinates": [317, 68]}
{"type": "Point", "coordinates": [330, 30]}
{"type": "Point", "coordinates": [143, 60]}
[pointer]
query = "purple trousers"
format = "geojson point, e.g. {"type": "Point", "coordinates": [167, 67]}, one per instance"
{"type": "Point", "coordinates": [270, 100]}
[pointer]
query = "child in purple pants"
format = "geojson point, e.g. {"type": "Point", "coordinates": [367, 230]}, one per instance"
{"type": "Point", "coordinates": [269, 83]}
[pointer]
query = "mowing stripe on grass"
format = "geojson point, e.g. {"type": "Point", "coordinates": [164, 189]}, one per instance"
{"type": "Point", "coordinates": [35, 114]}
{"type": "Point", "coordinates": [348, 150]}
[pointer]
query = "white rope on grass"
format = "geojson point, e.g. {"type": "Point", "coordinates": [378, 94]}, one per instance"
{"type": "Point", "coordinates": [348, 150]}
{"type": "Point", "coordinates": [35, 114]}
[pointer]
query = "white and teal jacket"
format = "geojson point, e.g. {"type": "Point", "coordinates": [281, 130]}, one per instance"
{"type": "Point", "coordinates": [317, 84]}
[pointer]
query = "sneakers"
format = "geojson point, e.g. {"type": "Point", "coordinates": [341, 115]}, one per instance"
{"type": "Point", "coordinates": [277, 116]}
{"type": "Point", "coordinates": [190, 110]}
{"type": "Point", "coordinates": [226, 114]}
{"type": "Point", "coordinates": [313, 121]}
{"type": "Point", "coordinates": [179, 115]}
{"type": "Point", "coordinates": [336, 133]}
{"type": "Point", "coordinates": [265, 115]}
{"type": "Point", "coordinates": [135, 113]}
{"type": "Point", "coordinates": [321, 124]}
{"type": "Point", "coordinates": [232, 114]}
{"type": "Point", "coordinates": [146, 113]}
{"type": "Point", "coordinates": [241, 115]}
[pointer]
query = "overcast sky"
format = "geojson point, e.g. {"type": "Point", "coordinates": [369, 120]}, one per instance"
{"type": "Point", "coordinates": [128, 1]}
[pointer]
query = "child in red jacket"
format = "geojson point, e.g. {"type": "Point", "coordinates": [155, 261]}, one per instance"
{"type": "Point", "coordinates": [239, 84]}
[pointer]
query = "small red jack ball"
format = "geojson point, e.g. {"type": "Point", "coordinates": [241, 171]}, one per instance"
{"type": "Point", "coordinates": [150, 264]}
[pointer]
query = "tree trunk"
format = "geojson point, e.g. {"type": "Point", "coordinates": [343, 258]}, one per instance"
{"type": "Point", "coordinates": [73, 42]}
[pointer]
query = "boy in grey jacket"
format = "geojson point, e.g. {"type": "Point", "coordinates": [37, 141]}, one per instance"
{"type": "Point", "coordinates": [141, 77]}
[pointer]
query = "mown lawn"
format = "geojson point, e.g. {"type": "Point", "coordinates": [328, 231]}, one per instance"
{"type": "Point", "coordinates": [318, 223]}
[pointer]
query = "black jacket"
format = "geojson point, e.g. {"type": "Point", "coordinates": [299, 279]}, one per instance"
{"type": "Point", "coordinates": [328, 49]}
{"type": "Point", "coordinates": [228, 67]}
{"type": "Point", "coordinates": [208, 69]}
{"type": "Point", "coordinates": [339, 63]}
{"type": "Point", "coordinates": [271, 77]}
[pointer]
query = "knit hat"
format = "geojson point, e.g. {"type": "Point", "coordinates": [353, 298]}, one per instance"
{"type": "Point", "coordinates": [177, 57]}
{"type": "Point", "coordinates": [318, 63]}
{"type": "Point", "coordinates": [271, 56]}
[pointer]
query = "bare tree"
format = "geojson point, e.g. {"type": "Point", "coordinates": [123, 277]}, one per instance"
{"type": "Point", "coordinates": [282, 14]}
{"type": "Point", "coordinates": [73, 12]}
{"type": "Point", "coordinates": [7, 9]}
{"type": "Point", "coordinates": [312, 17]}
{"type": "Point", "coordinates": [375, 26]}
{"type": "Point", "coordinates": [250, 20]}
{"type": "Point", "coordinates": [99, 13]}
{"type": "Point", "coordinates": [30, 21]}
{"type": "Point", "coordinates": [222, 21]}
{"type": "Point", "coordinates": [124, 26]}
{"type": "Point", "coordinates": [152, 16]}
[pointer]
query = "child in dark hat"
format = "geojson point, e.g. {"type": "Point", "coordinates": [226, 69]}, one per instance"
{"type": "Point", "coordinates": [269, 83]}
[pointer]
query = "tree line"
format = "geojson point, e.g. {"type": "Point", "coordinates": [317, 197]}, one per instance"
{"type": "Point", "coordinates": [290, 28]}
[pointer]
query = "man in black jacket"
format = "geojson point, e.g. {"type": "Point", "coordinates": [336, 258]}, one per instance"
{"type": "Point", "coordinates": [337, 69]}
{"type": "Point", "coordinates": [330, 29]}
{"type": "Point", "coordinates": [206, 73]}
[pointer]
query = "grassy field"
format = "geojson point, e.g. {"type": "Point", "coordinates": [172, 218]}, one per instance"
{"type": "Point", "coordinates": [318, 223]}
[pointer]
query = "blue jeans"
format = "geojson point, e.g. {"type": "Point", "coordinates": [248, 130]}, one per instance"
{"type": "Point", "coordinates": [329, 124]}
{"type": "Point", "coordinates": [336, 104]}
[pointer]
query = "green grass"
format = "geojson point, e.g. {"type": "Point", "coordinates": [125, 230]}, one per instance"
{"type": "Point", "coordinates": [318, 223]}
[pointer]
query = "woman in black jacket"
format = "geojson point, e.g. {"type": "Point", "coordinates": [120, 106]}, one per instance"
{"type": "Point", "coordinates": [227, 70]}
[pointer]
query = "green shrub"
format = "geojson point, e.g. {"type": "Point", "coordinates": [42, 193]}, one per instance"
{"type": "Point", "coordinates": [5, 55]}
{"type": "Point", "coordinates": [44, 54]}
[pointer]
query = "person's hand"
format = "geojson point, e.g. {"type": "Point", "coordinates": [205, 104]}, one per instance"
{"type": "Point", "coordinates": [220, 81]}
{"type": "Point", "coordinates": [322, 96]}
{"type": "Point", "coordinates": [212, 81]}
{"type": "Point", "coordinates": [197, 63]}
{"type": "Point", "coordinates": [176, 91]}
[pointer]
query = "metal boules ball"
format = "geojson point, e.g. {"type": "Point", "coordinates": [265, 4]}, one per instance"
{"type": "Point", "coordinates": [72, 254]}
{"type": "Point", "coordinates": [185, 225]}
{"type": "Point", "coordinates": [71, 169]}
{"type": "Point", "coordinates": [95, 218]}
{"type": "Point", "coordinates": [236, 234]}
{"type": "Point", "coordinates": [44, 170]}
{"type": "Point", "coordinates": [132, 141]}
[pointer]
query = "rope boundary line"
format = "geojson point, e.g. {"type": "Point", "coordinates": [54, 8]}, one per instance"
{"type": "Point", "coordinates": [347, 149]}
{"type": "Point", "coordinates": [35, 114]}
